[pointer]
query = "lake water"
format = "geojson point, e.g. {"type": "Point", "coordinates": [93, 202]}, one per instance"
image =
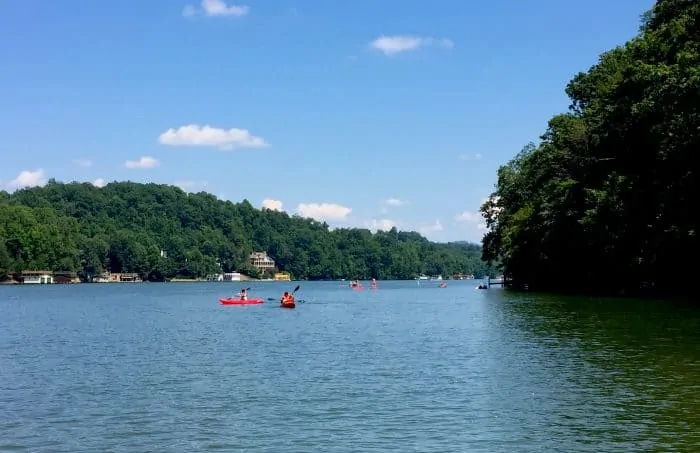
{"type": "Point", "coordinates": [165, 368]}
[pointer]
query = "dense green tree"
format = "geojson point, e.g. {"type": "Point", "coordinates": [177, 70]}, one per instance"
{"type": "Point", "coordinates": [605, 201]}
{"type": "Point", "coordinates": [123, 227]}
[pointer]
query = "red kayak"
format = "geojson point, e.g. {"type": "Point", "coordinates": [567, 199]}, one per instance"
{"type": "Point", "coordinates": [230, 301]}
{"type": "Point", "coordinates": [358, 288]}
{"type": "Point", "coordinates": [288, 305]}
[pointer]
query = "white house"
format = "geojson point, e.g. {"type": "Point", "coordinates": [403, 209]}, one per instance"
{"type": "Point", "coordinates": [262, 261]}
{"type": "Point", "coordinates": [37, 277]}
{"type": "Point", "coordinates": [232, 277]}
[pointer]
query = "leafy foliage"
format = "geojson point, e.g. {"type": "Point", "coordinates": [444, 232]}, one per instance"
{"type": "Point", "coordinates": [605, 201]}
{"type": "Point", "coordinates": [124, 226]}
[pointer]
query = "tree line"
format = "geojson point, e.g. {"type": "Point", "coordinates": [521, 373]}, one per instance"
{"type": "Point", "coordinates": [604, 202]}
{"type": "Point", "coordinates": [124, 226]}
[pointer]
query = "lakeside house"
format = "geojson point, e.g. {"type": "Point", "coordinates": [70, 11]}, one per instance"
{"type": "Point", "coordinates": [43, 277]}
{"type": "Point", "coordinates": [37, 277]}
{"type": "Point", "coordinates": [225, 277]}
{"type": "Point", "coordinates": [109, 277]}
{"type": "Point", "coordinates": [65, 277]}
{"type": "Point", "coordinates": [262, 261]}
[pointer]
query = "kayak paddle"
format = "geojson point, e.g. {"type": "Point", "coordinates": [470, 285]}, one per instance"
{"type": "Point", "coordinates": [301, 301]}
{"type": "Point", "coordinates": [246, 290]}
{"type": "Point", "coordinates": [295, 290]}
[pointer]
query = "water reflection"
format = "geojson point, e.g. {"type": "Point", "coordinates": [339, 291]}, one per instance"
{"type": "Point", "coordinates": [633, 364]}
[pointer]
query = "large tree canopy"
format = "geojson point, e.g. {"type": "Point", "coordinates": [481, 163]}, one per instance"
{"type": "Point", "coordinates": [605, 201]}
{"type": "Point", "coordinates": [123, 227]}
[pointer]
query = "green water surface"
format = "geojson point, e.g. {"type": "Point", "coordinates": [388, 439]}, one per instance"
{"type": "Point", "coordinates": [407, 368]}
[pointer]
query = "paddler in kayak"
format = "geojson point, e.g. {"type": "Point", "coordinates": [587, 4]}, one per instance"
{"type": "Point", "coordinates": [373, 285]}
{"type": "Point", "coordinates": [243, 294]}
{"type": "Point", "coordinates": [287, 298]}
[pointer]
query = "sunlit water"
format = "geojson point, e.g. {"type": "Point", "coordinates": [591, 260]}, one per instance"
{"type": "Point", "coordinates": [407, 368]}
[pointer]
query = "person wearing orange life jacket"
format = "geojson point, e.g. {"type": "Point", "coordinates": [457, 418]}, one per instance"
{"type": "Point", "coordinates": [287, 298]}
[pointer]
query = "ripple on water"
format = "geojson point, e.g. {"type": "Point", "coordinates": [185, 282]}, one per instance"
{"type": "Point", "coordinates": [165, 368]}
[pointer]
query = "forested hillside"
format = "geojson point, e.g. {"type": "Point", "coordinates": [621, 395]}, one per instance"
{"type": "Point", "coordinates": [123, 227]}
{"type": "Point", "coordinates": [606, 201]}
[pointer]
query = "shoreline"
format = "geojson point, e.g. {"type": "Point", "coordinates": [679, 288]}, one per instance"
{"type": "Point", "coordinates": [204, 280]}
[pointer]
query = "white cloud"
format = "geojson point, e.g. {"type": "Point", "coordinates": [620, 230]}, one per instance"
{"type": "Point", "coordinates": [99, 182]}
{"type": "Point", "coordinates": [395, 202]}
{"type": "Point", "coordinates": [85, 163]}
{"type": "Point", "coordinates": [392, 45]}
{"type": "Point", "coordinates": [191, 186]}
{"type": "Point", "coordinates": [220, 8]}
{"type": "Point", "coordinates": [446, 43]}
{"type": "Point", "coordinates": [474, 222]}
{"type": "Point", "coordinates": [189, 11]}
{"type": "Point", "coordinates": [495, 209]}
{"type": "Point", "coordinates": [273, 205]}
{"type": "Point", "coordinates": [381, 224]}
{"type": "Point", "coordinates": [323, 211]}
{"type": "Point", "coordinates": [216, 8]}
{"type": "Point", "coordinates": [143, 162]}
{"type": "Point", "coordinates": [195, 135]}
{"type": "Point", "coordinates": [472, 219]}
{"type": "Point", "coordinates": [434, 228]}
{"type": "Point", "coordinates": [28, 178]}
{"type": "Point", "coordinates": [476, 156]}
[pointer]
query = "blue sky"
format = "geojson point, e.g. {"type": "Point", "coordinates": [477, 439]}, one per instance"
{"type": "Point", "coordinates": [363, 112]}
